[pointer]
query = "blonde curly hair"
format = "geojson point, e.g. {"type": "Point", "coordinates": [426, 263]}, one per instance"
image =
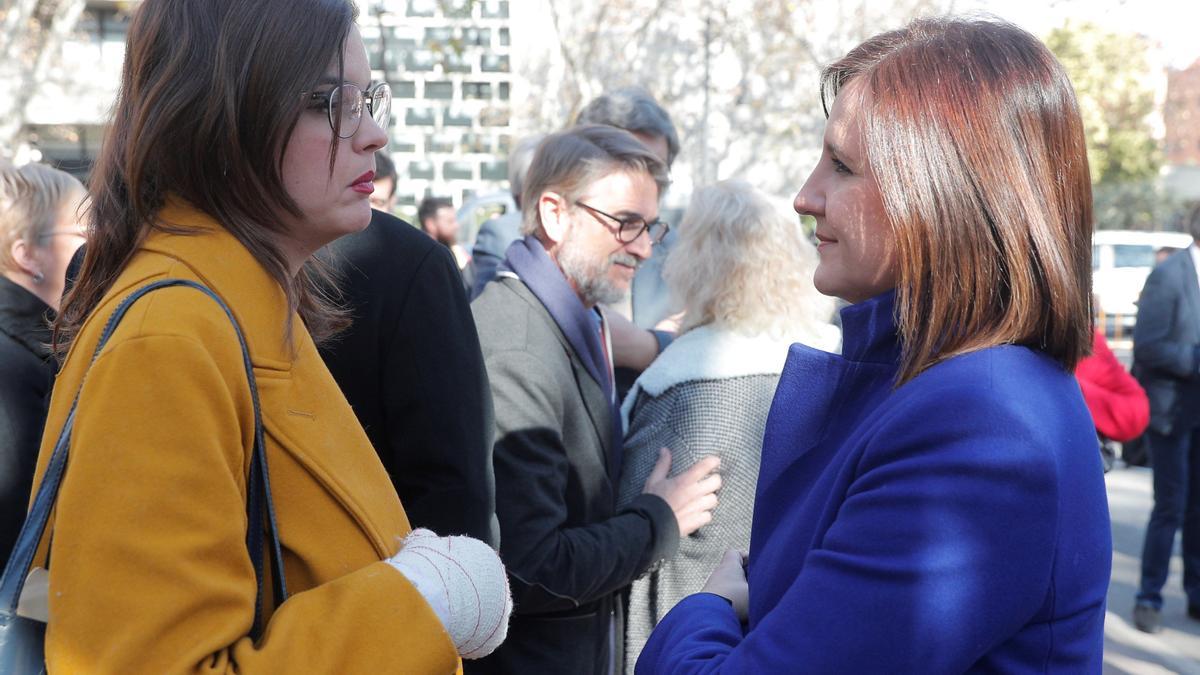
{"type": "Point", "coordinates": [741, 263]}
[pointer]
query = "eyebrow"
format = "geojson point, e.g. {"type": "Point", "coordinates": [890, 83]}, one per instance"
{"type": "Point", "coordinates": [333, 80]}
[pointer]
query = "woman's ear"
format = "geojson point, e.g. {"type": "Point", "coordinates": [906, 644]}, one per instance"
{"type": "Point", "coordinates": [25, 257]}
{"type": "Point", "coordinates": [553, 213]}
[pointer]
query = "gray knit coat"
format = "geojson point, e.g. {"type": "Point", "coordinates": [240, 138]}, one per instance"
{"type": "Point", "coordinates": [708, 393]}
{"type": "Point", "coordinates": [725, 417]}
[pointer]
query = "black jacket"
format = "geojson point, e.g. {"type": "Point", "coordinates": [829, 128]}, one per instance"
{"type": "Point", "coordinates": [1166, 344]}
{"type": "Point", "coordinates": [567, 548]}
{"type": "Point", "coordinates": [26, 376]}
{"type": "Point", "coordinates": [411, 368]}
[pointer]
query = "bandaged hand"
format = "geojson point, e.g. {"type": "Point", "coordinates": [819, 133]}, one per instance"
{"type": "Point", "coordinates": [464, 582]}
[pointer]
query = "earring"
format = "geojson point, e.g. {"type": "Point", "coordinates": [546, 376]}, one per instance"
{"type": "Point", "coordinates": [38, 277]}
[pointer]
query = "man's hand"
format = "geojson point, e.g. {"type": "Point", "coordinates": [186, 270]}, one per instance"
{"type": "Point", "coordinates": [691, 494]}
{"type": "Point", "coordinates": [729, 582]}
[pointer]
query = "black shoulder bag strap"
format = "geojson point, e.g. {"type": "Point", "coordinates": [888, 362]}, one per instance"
{"type": "Point", "coordinates": [260, 508]}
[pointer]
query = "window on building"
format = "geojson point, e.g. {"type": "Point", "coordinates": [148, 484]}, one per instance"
{"type": "Point", "coordinates": [495, 63]}
{"type": "Point", "coordinates": [494, 116]}
{"type": "Point", "coordinates": [456, 118]}
{"type": "Point", "coordinates": [475, 143]}
{"type": "Point", "coordinates": [477, 37]}
{"type": "Point", "coordinates": [495, 9]}
{"type": "Point", "coordinates": [441, 142]}
{"type": "Point", "coordinates": [456, 62]}
{"type": "Point", "coordinates": [420, 60]}
{"type": "Point", "coordinates": [422, 169]}
{"type": "Point", "coordinates": [422, 7]}
{"type": "Point", "coordinates": [420, 117]}
{"type": "Point", "coordinates": [439, 90]}
{"type": "Point", "coordinates": [459, 9]}
{"type": "Point", "coordinates": [439, 34]}
{"type": "Point", "coordinates": [494, 170]}
{"type": "Point", "coordinates": [477, 90]}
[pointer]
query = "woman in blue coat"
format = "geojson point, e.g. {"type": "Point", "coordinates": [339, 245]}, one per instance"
{"type": "Point", "coordinates": [931, 500]}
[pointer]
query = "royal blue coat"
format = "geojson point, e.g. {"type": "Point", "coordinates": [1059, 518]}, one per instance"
{"type": "Point", "coordinates": [957, 523]}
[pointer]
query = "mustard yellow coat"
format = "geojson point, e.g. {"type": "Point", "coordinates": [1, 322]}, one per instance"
{"type": "Point", "coordinates": [148, 569]}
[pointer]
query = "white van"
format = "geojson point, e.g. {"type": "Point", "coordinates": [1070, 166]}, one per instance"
{"type": "Point", "coordinates": [1121, 261]}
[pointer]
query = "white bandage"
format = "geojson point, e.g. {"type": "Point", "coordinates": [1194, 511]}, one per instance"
{"type": "Point", "coordinates": [464, 582]}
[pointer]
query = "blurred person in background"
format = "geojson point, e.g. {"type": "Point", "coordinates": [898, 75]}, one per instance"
{"type": "Point", "coordinates": [148, 551]}
{"type": "Point", "coordinates": [496, 234]}
{"type": "Point", "coordinates": [40, 228]}
{"type": "Point", "coordinates": [1118, 404]}
{"type": "Point", "coordinates": [1166, 361]}
{"type": "Point", "coordinates": [438, 220]}
{"type": "Point", "coordinates": [636, 111]}
{"type": "Point", "coordinates": [1163, 252]}
{"type": "Point", "coordinates": [384, 196]}
{"type": "Point", "coordinates": [931, 500]}
{"type": "Point", "coordinates": [742, 271]}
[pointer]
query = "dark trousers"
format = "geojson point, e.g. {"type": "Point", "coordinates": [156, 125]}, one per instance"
{"type": "Point", "coordinates": [1176, 462]}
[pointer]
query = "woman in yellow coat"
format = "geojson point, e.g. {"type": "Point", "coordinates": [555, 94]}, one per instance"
{"type": "Point", "coordinates": [242, 142]}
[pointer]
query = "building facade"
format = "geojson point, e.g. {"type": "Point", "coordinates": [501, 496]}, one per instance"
{"type": "Point", "coordinates": [1181, 122]}
{"type": "Point", "coordinates": [1181, 116]}
{"type": "Point", "coordinates": [448, 63]}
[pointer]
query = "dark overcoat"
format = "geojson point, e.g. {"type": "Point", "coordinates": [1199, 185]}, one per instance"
{"type": "Point", "coordinates": [411, 368]}
{"type": "Point", "coordinates": [26, 375]}
{"type": "Point", "coordinates": [1166, 344]}
{"type": "Point", "coordinates": [567, 547]}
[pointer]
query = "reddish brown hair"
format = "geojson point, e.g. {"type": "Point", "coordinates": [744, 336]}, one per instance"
{"type": "Point", "coordinates": [209, 96]}
{"type": "Point", "coordinates": [974, 136]}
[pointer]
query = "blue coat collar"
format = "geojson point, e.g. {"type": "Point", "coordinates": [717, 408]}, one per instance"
{"type": "Point", "coordinates": [869, 330]}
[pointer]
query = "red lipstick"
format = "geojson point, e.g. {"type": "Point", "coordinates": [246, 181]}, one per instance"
{"type": "Point", "coordinates": [363, 184]}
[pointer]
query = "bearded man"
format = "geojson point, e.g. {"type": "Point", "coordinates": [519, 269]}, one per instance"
{"type": "Point", "coordinates": [590, 218]}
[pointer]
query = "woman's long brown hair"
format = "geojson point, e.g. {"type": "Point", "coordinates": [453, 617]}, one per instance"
{"type": "Point", "coordinates": [209, 96]}
{"type": "Point", "coordinates": [974, 136]}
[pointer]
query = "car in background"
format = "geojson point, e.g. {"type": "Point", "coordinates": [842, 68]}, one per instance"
{"type": "Point", "coordinates": [1121, 261]}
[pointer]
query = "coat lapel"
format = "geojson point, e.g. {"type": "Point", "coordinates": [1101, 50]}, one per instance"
{"type": "Point", "coordinates": [305, 414]}
{"type": "Point", "coordinates": [595, 401]}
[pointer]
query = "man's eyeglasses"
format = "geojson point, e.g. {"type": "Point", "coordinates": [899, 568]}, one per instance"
{"type": "Point", "coordinates": [629, 229]}
{"type": "Point", "coordinates": [344, 106]}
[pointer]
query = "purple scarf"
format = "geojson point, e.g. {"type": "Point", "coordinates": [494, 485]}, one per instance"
{"type": "Point", "coordinates": [527, 258]}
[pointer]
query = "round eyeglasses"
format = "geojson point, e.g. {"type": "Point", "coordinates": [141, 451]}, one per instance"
{"type": "Point", "coordinates": [629, 229]}
{"type": "Point", "coordinates": [344, 106]}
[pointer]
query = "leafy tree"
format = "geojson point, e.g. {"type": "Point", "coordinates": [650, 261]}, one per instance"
{"type": "Point", "coordinates": [31, 31]}
{"type": "Point", "coordinates": [739, 78]}
{"type": "Point", "coordinates": [1110, 72]}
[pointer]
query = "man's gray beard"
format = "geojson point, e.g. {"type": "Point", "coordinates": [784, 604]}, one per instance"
{"type": "Point", "coordinates": [589, 273]}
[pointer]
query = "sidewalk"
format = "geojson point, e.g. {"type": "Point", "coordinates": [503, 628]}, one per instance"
{"type": "Point", "coordinates": [1127, 650]}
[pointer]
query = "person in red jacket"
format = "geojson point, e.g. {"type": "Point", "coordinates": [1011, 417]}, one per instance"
{"type": "Point", "coordinates": [1119, 407]}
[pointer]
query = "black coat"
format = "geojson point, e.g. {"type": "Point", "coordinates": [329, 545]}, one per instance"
{"type": "Point", "coordinates": [1166, 344]}
{"type": "Point", "coordinates": [26, 376]}
{"type": "Point", "coordinates": [411, 367]}
{"type": "Point", "coordinates": [568, 550]}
